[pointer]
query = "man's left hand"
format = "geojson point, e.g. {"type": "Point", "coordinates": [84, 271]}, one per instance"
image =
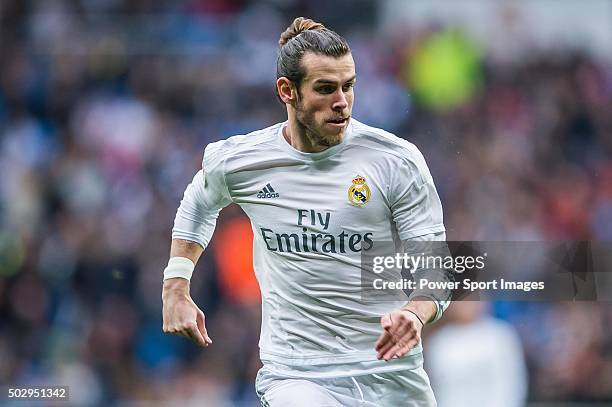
{"type": "Point", "coordinates": [401, 332]}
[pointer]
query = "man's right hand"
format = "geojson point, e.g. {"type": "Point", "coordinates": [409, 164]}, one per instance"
{"type": "Point", "coordinates": [181, 315]}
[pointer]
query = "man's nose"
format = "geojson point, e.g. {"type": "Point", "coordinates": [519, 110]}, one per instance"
{"type": "Point", "coordinates": [340, 101]}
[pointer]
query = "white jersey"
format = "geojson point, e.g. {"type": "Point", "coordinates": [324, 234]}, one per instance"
{"type": "Point", "coordinates": [311, 215]}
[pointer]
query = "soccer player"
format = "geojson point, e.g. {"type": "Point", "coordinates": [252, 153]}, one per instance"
{"type": "Point", "coordinates": [318, 188]}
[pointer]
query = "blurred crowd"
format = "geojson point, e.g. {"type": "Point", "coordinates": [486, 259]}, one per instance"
{"type": "Point", "coordinates": [106, 106]}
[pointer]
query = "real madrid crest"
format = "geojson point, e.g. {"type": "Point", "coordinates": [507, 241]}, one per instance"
{"type": "Point", "coordinates": [359, 193]}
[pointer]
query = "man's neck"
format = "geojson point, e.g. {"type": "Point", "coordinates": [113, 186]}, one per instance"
{"type": "Point", "coordinates": [296, 136]}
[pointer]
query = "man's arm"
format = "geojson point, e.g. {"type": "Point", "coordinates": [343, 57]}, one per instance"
{"type": "Point", "coordinates": [186, 248]}
{"type": "Point", "coordinates": [194, 225]}
{"type": "Point", "coordinates": [417, 214]}
{"type": "Point", "coordinates": [180, 314]}
{"type": "Point", "coordinates": [402, 328]}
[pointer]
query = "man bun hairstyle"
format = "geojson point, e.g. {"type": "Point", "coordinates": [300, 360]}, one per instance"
{"type": "Point", "coordinates": [299, 25]}
{"type": "Point", "coordinates": [301, 36]}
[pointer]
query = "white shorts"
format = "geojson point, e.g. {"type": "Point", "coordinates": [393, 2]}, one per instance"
{"type": "Point", "coordinates": [392, 389]}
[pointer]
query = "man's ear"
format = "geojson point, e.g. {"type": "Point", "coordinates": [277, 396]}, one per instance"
{"type": "Point", "coordinates": [286, 90]}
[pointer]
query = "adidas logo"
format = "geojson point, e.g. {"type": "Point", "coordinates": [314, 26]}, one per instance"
{"type": "Point", "coordinates": [267, 192]}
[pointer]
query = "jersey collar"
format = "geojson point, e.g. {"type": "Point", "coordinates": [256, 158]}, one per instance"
{"type": "Point", "coordinates": [314, 156]}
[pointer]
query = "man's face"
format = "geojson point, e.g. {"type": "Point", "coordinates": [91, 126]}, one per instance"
{"type": "Point", "coordinates": [325, 99]}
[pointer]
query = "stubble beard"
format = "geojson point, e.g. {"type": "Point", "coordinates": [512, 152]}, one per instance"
{"type": "Point", "coordinates": [308, 124]}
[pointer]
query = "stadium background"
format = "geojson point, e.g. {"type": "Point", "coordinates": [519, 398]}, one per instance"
{"type": "Point", "coordinates": [106, 105]}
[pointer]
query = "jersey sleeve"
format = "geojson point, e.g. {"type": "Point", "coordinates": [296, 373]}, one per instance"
{"type": "Point", "coordinates": [414, 201]}
{"type": "Point", "coordinates": [417, 213]}
{"type": "Point", "coordinates": [441, 297]}
{"type": "Point", "coordinates": [203, 199]}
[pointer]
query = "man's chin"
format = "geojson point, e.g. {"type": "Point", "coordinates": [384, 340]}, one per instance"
{"type": "Point", "coordinates": [330, 140]}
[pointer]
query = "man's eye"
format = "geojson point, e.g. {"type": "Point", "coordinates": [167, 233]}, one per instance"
{"type": "Point", "coordinates": [326, 89]}
{"type": "Point", "coordinates": [348, 87]}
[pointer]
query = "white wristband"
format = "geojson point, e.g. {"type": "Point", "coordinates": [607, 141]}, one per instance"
{"type": "Point", "coordinates": [179, 267]}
